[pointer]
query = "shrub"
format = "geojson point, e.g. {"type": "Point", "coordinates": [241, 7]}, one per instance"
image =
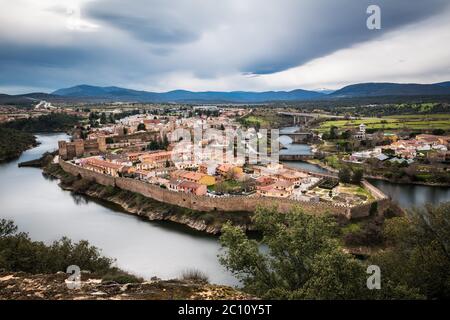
{"type": "Point", "coordinates": [19, 253]}
{"type": "Point", "coordinates": [121, 277]}
{"type": "Point", "coordinates": [194, 275]}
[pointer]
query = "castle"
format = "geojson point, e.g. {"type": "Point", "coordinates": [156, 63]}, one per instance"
{"type": "Point", "coordinates": [79, 148]}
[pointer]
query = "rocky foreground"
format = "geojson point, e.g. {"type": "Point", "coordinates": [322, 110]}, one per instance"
{"type": "Point", "coordinates": [24, 286]}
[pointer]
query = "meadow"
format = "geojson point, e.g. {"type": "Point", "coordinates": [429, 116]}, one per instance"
{"type": "Point", "coordinates": [398, 122]}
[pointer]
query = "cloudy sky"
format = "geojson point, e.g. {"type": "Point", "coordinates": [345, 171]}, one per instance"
{"type": "Point", "coordinates": [200, 45]}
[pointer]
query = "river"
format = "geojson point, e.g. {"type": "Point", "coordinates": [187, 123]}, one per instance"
{"type": "Point", "coordinates": [41, 208]}
{"type": "Point", "coordinates": [163, 249]}
{"type": "Point", "coordinates": [406, 195]}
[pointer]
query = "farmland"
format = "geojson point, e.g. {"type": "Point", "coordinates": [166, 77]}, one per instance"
{"type": "Point", "coordinates": [398, 122]}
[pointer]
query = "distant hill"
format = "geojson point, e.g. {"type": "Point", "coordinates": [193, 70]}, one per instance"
{"type": "Point", "coordinates": [371, 91]}
{"type": "Point", "coordinates": [444, 84]}
{"type": "Point", "coordinates": [122, 94]}
{"type": "Point", "coordinates": [391, 89]}
{"type": "Point", "coordinates": [324, 90]}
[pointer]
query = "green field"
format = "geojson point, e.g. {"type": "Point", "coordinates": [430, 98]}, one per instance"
{"type": "Point", "coordinates": [407, 122]}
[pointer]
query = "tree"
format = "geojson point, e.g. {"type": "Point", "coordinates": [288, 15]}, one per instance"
{"type": "Point", "coordinates": [153, 145]}
{"type": "Point", "coordinates": [302, 260]}
{"type": "Point", "coordinates": [344, 175]}
{"type": "Point", "coordinates": [418, 251]}
{"type": "Point", "coordinates": [103, 118]}
{"type": "Point", "coordinates": [141, 127]}
{"type": "Point", "coordinates": [357, 176]}
{"type": "Point", "coordinates": [165, 142]}
{"type": "Point", "coordinates": [333, 133]}
{"type": "Point", "coordinates": [347, 134]}
{"type": "Point", "coordinates": [19, 253]}
{"type": "Point", "coordinates": [438, 132]}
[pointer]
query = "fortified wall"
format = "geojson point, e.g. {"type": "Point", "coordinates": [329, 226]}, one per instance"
{"type": "Point", "coordinates": [206, 203]}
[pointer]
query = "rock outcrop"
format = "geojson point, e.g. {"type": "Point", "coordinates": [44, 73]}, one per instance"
{"type": "Point", "coordinates": [24, 286]}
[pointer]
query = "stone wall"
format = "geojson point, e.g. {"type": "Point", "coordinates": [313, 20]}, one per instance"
{"type": "Point", "coordinates": [377, 193]}
{"type": "Point", "coordinates": [206, 203]}
{"type": "Point", "coordinates": [87, 174]}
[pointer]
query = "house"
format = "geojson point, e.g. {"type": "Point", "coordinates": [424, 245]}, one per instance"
{"type": "Point", "coordinates": [192, 176]}
{"type": "Point", "coordinates": [279, 189]}
{"type": "Point", "coordinates": [192, 187]}
{"type": "Point", "coordinates": [103, 166]}
{"type": "Point", "coordinates": [143, 174]}
{"type": "Point", "coordinates": [294, 177]}
{"type": "Point", "coordinates": [158, 156]}
{"type": "Point", "coordinates": [154, 160]}
{"type": "Point", "coordinates": [173, 184]}
{"type": "Point", "coordinates": [225, 168]}
{"type": "Point", "coordinates": [284, 186]}
{"type": "Point", "coordinates": [433, 139]}
{"type": "Point", "coordinates": [264, 181]}
{"type": "Point", "coordinates": [134, 156]}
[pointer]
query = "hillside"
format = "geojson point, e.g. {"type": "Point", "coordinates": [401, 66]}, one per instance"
{"type": "Point", "coordinates": [390, 89]}
{"type": "Point", "coordinates": [122, 94]}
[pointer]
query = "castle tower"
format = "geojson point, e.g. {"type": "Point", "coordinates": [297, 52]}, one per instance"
{"type": "Point", "coordinates": [62, 149]}
{"type": "Point", "coordinates": [101, 144]}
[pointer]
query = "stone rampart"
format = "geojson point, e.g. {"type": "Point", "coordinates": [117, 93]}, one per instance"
{"type": "Point", "coordinates": [206, 203]}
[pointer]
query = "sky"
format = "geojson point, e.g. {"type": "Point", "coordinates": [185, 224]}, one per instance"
{"type": "Point", "coordinates": [200, 45]}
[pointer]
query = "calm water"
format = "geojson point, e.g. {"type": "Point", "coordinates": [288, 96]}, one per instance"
{"type": "Point", "coordinates": [407, 196]}
{"type": "Point", "coordinates": [38, 206]}
{"type": "Point", "coordinates": [306, 166]}
{"type": "Point", "coordinates": [292, 149]}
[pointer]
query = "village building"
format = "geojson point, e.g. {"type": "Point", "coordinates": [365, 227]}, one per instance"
{"type": "Point", "coordinates": [279, 189]}
{"type": "Point", "coordinates": [102, 166]}
{"type": "Point", "coordinates": [192, 187]}
{"type": "Point", "coordinates": [224, 169]}
{"type": "Point", "coordinates": [294, 177]}
{"type": "Point", "coordinates": [192, 176]}
{"type": "Point", "coordinates": [154, 160]}
{"type": "Point", "coordinates": [361, 133]}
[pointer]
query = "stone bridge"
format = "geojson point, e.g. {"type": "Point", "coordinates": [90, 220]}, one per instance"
{"type": "Point", "coordinates": [299, 137]}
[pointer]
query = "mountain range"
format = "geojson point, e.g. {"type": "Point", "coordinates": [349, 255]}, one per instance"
{"type": "Point", "coordinates": [360, 90]}
{"type": "Point", "coordinates": [121, 94]}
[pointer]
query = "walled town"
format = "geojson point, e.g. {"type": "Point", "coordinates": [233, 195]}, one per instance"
{"type": "Point", "coordinates": [158, 150]}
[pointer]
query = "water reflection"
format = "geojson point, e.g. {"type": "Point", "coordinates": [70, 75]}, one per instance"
{"type": "Point", "coordinates": [408, 196]}
{"type": "Point", "coordinates": [41, 208]}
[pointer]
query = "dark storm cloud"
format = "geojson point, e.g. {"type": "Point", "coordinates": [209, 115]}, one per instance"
{"type": "Point", "coordinates": [310, 28]}
{"type": "Point", "coordinates": [143, 41]}
{"type": "Point", "coordinates": [152, 32]}
{"type": "Point", "coordinates": [156, 21]}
